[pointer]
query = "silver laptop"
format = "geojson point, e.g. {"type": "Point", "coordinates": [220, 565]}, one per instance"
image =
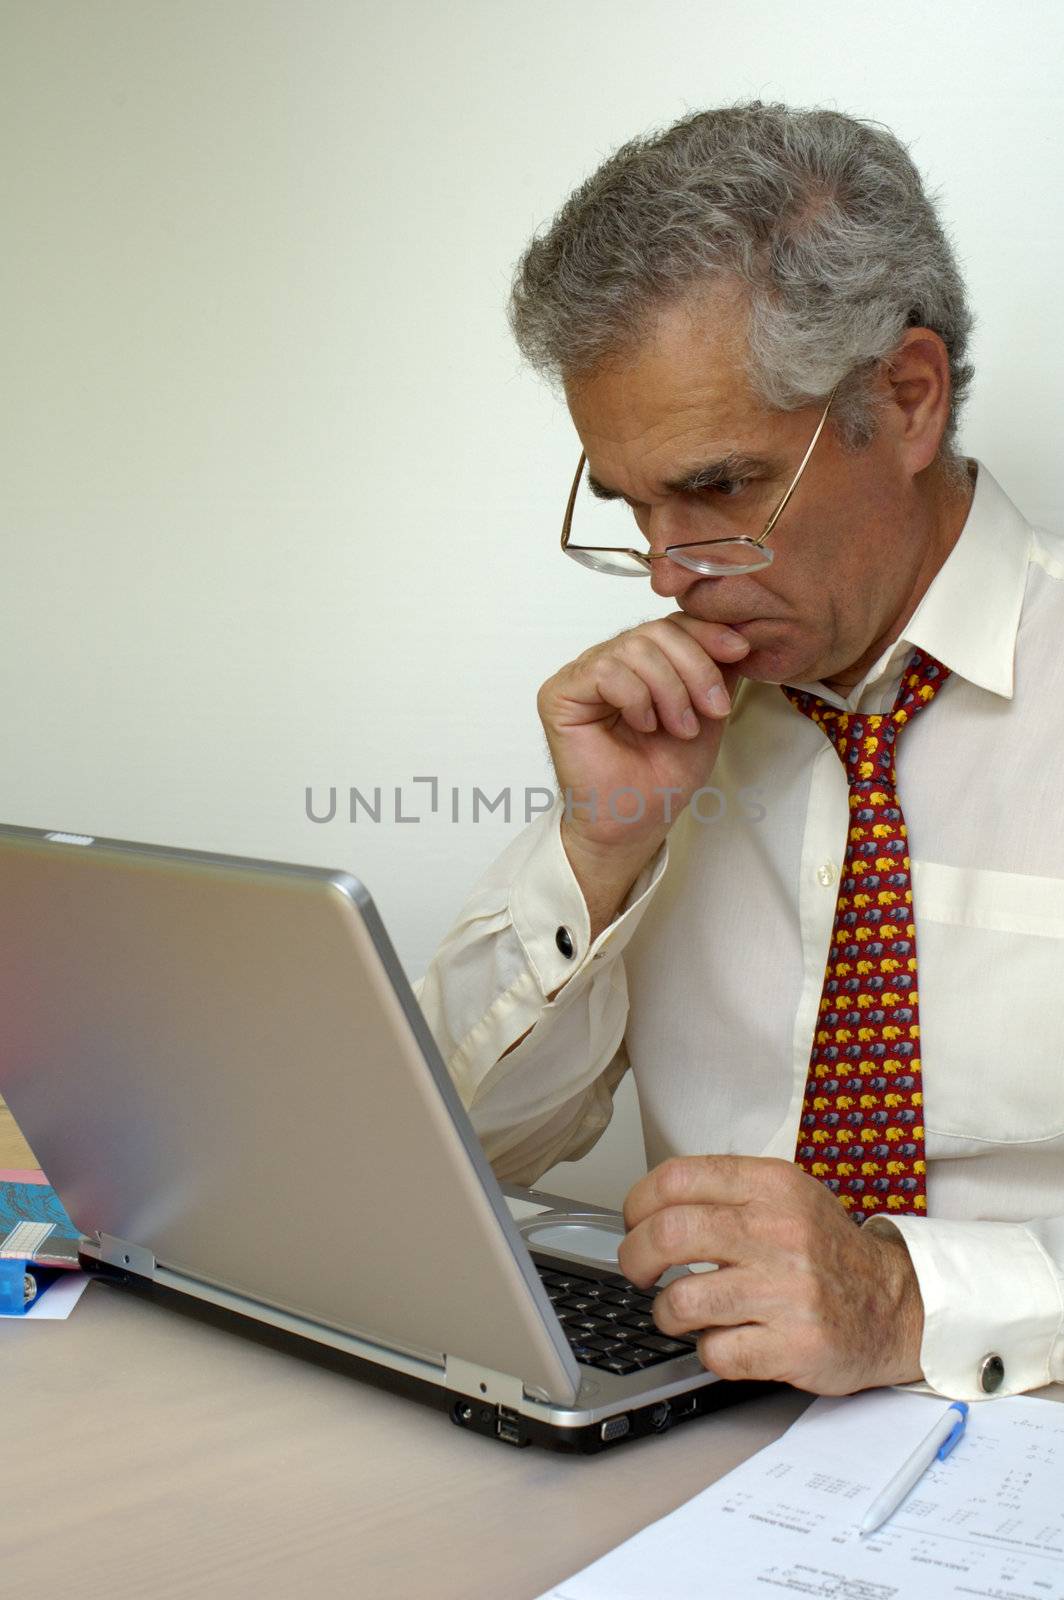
{"type": "Point", "coordinates": [227, 1079]}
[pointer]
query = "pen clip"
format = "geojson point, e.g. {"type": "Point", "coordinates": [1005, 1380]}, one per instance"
{"type": "Point", "coordinates": [955, 1432]}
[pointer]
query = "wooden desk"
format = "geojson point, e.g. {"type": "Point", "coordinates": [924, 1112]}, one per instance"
{"type": "Point", "coordinates": [148, 1456]}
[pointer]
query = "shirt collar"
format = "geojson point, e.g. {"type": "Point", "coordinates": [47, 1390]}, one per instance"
{"type": "Point", "coordinates": [970, 614]}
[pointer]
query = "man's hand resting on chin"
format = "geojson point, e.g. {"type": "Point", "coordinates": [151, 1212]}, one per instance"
{"type": "Point", "coordinates": [802, 1294]}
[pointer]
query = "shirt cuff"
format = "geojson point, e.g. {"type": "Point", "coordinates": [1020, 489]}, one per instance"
{"type": "Point", "coordinates": [993, 1307]}
{"type": "Point", "coordinates": [550, 916]}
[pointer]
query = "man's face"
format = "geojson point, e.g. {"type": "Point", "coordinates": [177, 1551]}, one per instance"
{"type": "Point", "coordinates": [850, 548]}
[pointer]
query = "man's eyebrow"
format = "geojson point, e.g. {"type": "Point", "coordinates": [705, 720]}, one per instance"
{"type": "Point", "coordinates": [729, 467]}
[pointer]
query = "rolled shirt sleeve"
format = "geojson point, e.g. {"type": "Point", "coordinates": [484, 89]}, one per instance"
{"type": "Point", "coordinates": [993, 1295]}
{"type": "Point", "coordinates": [523, 934]}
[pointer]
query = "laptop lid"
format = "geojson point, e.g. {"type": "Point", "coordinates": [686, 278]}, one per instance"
{"type": "Point", "coordinates": [220, 1061]}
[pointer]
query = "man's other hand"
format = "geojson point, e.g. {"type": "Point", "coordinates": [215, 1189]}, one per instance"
{"type": "Point", "coordinates": [801, 1295]}
{"type": "Point", "coordinates": [634, 726]}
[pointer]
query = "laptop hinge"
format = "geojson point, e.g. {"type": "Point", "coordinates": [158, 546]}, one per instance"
{"type": "Point", "coordinates": [467, 1377]}
{"type": "Point", "coordinates": [119, 1253]}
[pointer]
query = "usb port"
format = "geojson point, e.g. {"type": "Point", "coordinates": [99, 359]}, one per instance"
{"type": "Point", "coordinates": [685, 1406]}
{"type": "Point", "coordinates": [508, 1426]}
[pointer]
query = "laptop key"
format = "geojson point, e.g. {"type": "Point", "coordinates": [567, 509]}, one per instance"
{"type": "Point", "coordinates": [663, 1346]}
{"type": "Point", "coordinates": [595, 1341]}
{"type": "Point", "coordinates": [627, 1336]}
{"type": "Point", "coordinates": [577, 1323]}
{"type": "Point", "coordinates": [619, 1364]}
{"type": "Point", "coordinates": [639, 1321]}
{"type": "Point", "coordinates": [610, 1296]}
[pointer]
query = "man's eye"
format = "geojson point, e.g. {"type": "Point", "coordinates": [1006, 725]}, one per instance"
{"type": "Point", "coordinates": [728, 487]}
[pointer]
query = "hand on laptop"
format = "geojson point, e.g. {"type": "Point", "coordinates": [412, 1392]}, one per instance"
{"type": "Point", "coordinates": [803, 1295]}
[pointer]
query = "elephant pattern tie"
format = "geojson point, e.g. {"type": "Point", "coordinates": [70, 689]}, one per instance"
{"type": "Point", "coordinates": [862, 1124]}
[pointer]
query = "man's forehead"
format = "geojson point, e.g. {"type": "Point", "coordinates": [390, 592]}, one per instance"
{"type": "Point", "coordinates": [638, 437]}
{"type": "Point", "coordinates": [678, 402]}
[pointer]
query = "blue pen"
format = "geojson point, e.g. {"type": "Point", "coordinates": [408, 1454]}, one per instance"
{"type": "Point", "coordinates": [936, 1447]}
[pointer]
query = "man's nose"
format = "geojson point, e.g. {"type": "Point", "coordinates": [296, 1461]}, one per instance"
{"type": "Point", "coordinates": [669, 579]}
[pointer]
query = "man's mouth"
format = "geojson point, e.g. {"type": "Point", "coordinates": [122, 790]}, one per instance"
{"type": "Point", "coordinates": [743, 622]}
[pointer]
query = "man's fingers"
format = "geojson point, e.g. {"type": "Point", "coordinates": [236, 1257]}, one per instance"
{"type": "Point", "coordinates": [737, 1353]}
{"type": "Point", "coordinates": [659, 674]}
{"type": "Point", "coordinates": [706, 680]}
{"type": "Point", "coordinates": [677, 710]}
{"type": "Point", "coordinates": [705, 1180]}
{"type": "Point", "coordinates": [678, 1235]}
{"type": "Point", "coordinates": [723, 1299]}
{"type": "Point", "coordinates": [618, 686]}
{"type": "Point", "coordinates": [712, 636]}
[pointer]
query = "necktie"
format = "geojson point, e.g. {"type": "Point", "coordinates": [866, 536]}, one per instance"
{"type": "Point", "coordinates": [861, 1130]}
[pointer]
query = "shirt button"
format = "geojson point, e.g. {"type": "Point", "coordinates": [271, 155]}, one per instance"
{"type": "Point", "coordinates": [827, 874]}
{"type": "Point", "coordinates": [564, 940]}
{"type": "Point", "coordinates": [991, 1374]}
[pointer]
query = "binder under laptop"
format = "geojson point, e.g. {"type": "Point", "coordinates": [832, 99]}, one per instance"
{"type": "Point", "coordinates": [228, 1081]}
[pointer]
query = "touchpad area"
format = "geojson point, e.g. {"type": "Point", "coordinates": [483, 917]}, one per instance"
{"type": "Point", "coordinates": [593, 1241]}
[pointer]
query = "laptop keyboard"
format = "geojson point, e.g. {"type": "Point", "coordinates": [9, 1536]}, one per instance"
{"type": "Point", "coordinates": [607, 1319]}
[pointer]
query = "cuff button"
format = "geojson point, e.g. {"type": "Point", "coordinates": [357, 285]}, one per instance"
{"type": "Point", "coordinates": [991, 1374]}
{"type": "Point", "coordinates": [564, 940]}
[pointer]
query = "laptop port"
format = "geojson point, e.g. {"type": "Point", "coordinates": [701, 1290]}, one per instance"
{"type": "Point", "coordinates": [660, 1416]}
{"type": "Point", "coordinates": [685, 1406]}
{"type": "Point", "coordinates": [615, 1428]}
{"type": "Point", "coordinates": [508, 1426]}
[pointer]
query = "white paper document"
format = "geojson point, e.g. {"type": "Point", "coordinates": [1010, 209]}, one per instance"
{"type": "Point", "coordinates": [986, 1522]}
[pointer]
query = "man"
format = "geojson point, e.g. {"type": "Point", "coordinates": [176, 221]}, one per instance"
{"type": "Point", "coordinates": [800, 920]}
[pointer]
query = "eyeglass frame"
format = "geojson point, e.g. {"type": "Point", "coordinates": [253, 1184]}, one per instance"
{"type": "Point", "coordinates": [645, 557]}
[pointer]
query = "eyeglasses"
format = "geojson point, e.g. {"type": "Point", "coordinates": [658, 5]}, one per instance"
{"type": "Point", "coordinates": [713, 558]}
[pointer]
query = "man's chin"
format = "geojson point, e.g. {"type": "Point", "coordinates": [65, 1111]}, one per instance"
{"type": "Point", "coordinates": [776, 655]}
{"type": "Point", "coordinates": [764, 666]}
{"type": "Point", "coordinates": [775, 664]}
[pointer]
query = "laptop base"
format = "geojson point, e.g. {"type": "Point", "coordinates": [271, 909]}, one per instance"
{"type": "Point", "coordinates": [470, 1412]}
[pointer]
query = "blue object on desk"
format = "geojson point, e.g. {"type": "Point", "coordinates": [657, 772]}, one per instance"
{"type": "Point", "coordinates": [960, 1406]}
{"type": "Point", "coordinates": [936, 1447]}
{"type": "Point", "coordinates": [21, 1285]}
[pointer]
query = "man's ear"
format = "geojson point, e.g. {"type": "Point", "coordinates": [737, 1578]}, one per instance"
{"type": "Point", "coordinates": [918, 382]}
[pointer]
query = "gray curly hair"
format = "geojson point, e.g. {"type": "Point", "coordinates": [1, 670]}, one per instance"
{"type": "Point", "coordinates": [822, 217]}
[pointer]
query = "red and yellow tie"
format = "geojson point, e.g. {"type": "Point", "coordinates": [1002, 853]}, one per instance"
{"type": "Point", "coordinates": [861, 1130]}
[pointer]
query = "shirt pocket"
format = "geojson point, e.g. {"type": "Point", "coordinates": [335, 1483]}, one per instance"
{"type": "Point", "coordinates": [990, 953]}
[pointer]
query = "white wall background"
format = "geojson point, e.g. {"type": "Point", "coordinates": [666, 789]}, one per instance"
{"type": "Point", "coordinates": [278, 504]}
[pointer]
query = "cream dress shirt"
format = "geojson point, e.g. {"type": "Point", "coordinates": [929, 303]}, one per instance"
{"type": "Point", "coordinates": [707, 983]}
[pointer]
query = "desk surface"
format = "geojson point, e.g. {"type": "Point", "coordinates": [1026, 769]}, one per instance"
{"type": "Point", "coordinates": [151, 1457]}
{"type": "Point", "coordinates": [148, 1456]}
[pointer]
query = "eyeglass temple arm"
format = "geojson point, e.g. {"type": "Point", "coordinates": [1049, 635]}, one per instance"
{"type": "Point", "coordinates": [772, 521]}
{"type": "Point", "coordinates": [572, 500]}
